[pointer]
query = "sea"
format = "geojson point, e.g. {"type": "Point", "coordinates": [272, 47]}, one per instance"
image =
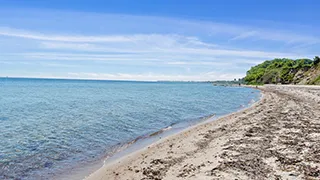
{"type": "Point", "coordinates": [50, 126]}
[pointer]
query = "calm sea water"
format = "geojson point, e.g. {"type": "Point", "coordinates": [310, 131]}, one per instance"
{"type": "Point", "coordinates": [47, 126]}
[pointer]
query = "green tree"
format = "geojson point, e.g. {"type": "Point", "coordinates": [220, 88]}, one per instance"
{"type": "Point", "coordinates": [278, 70]}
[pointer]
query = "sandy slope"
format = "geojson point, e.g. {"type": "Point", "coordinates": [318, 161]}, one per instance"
{"type": "Point", "coordinates": [277, 138]}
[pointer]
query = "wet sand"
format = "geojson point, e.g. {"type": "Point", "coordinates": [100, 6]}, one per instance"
{"type": "Point", "coordinates": [277, 138]}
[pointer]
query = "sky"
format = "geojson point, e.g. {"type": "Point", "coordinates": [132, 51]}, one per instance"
{"type": "Point", "coordinates": [189, 40]}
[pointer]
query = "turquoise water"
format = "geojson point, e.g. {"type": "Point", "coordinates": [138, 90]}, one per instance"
{"type": "Point", "coordinates": [48, 126]}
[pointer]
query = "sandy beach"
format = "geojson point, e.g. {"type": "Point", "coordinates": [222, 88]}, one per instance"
{"type": "Point", "coordinates": [276, 138]}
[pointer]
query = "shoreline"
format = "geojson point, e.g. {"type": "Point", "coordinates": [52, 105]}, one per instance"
{"type": "Point", "coordinates": [132, 147]}
{"type": "Point", "coordinates": [82, 170]}
{"type": "Point", "coordinates": [127, 153]}
{"type": "Point", "coordinates": [142, 142]}
{"type": "Point", "coordinates": [263, 141]}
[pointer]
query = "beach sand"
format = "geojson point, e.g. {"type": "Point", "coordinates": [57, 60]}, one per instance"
{"type": "Point", "coordinates": [276, 138]}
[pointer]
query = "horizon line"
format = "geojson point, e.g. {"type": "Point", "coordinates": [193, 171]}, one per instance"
{"type": "Point", "coordinates": [91, 79]}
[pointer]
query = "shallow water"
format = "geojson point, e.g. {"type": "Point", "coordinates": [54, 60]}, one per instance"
{"type": "Point", "coordinates": [47, 126]}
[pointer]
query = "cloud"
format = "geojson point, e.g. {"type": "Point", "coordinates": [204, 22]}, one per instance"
{"type": "Point", "coordinates": [245, 35]}
{"type": "Point", "coordinates": [163, 43]}
{"type": "Point", "coordinates": [277, 36]}
{"type": "Point", "coordinates": [60, 40]}
{"type": "Point", "coordinates": [4, 31]}
{"type": "Point", "coordinates": [171, 56]}
{"type": "Point", "coordinates": [151, 46]}
{"type": "Point", "coordinates": [200, 63]}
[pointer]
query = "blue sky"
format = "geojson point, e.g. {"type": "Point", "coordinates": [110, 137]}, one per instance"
{"type": "Point", "coordinates": [153, 40]}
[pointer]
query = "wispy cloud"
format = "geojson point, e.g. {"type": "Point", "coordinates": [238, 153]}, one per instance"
{"type": "Point", "coordinates": [4, 31]}
{"type": "Point", "coordinates": [165, 55]}
{"type": "Point", "coordinates": [277, 36]}
{"type": "Point", "coordinates": [150, 44]}
{"type": "Point", "coordinates": [245, 35]}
